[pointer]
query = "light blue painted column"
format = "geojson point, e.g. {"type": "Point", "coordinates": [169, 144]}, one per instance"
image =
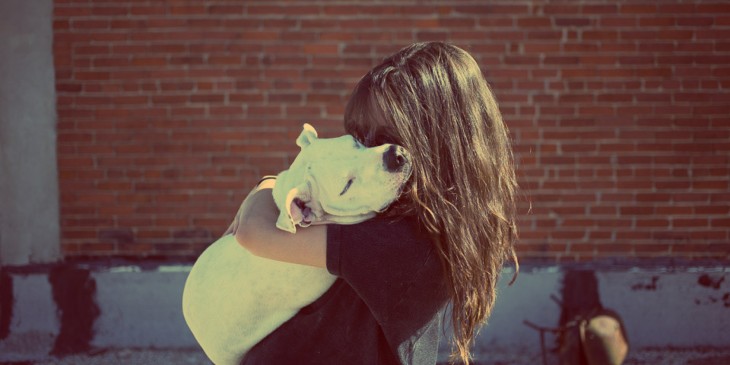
{"type": "Point", "coordinates": [29, 206]}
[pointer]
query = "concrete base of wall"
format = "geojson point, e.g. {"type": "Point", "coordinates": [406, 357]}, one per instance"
{"type": "Point", "coordinates": [140, 307]}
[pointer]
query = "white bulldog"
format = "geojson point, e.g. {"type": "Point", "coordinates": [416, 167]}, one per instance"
{"type": "Point", "coordinates": [233, 299]}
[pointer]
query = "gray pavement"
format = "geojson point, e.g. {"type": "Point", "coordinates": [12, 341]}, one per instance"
{"type": "Point", "coordinates": [666, 356]}
{"type": "Point", "coordinates": [132, 357]}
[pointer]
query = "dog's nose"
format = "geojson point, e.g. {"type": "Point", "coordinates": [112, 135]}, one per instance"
{"type": "Point", "coordinates": [394, 158]}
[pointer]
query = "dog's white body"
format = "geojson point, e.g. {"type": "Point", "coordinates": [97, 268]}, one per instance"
{"type": "Point", "coordinates": [233, 299]}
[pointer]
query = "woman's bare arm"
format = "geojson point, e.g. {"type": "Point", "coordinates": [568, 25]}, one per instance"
{"type": "Point", "coordinates": [255, 229]}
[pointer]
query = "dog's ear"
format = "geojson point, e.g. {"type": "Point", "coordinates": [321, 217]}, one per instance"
{"type": "Point", "coordinates": [308, 135]}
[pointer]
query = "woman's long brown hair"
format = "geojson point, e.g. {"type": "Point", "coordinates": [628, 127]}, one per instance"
{"type": "Point", "coordinates": [432, 99]}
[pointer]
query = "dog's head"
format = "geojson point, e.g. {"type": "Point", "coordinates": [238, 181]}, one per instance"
{"type": "Point", "coordinates": [338, 180]}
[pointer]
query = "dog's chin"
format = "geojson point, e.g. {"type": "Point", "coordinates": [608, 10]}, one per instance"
{"type": "Point", "coordinates": [400, 188]}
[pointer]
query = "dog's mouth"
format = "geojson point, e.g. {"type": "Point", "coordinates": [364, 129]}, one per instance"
{"type": "Point", "coordinates": [304, 216]}
{"type": "Point", "coordinates": [301, 213]}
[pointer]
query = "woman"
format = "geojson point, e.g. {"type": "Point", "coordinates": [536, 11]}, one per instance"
{"type": "Point", "coordinates": [444, 241]}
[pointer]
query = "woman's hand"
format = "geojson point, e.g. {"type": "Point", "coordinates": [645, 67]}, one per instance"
{"type": "Point", "coordinates": [244, 210]}
{"type": "Point", "coordinates": [254, 227]}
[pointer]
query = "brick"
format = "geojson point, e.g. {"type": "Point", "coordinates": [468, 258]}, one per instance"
{"type": "Point", "coordinates": [573, 22]}
{"type": "Point", "coordinates": [616, 248]}
{"type": "Point", "coordinates": [534, 22]}
{"type": "Point", "coordinates": [689, 222]}
{"type": "Point", "coordinates": [622, 21]}
{"type": "Point", "coordinates": [653, 223]}
{"type": "Point", "coordinates": [638, 9]}
{"type": "Point", "coordinates": [544, 35]}
{"type": "Point", "coordinates": [657, 21]}
{"type": "Point", "coordinates": [652, 248]}
{"type": "Point", "coordinates": [713, 8]}
{"type": "Point", "coordinates": [552, 8]}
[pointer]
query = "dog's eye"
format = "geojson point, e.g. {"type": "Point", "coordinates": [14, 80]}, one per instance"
{"type": "Point", "coordinates": [347, 187]}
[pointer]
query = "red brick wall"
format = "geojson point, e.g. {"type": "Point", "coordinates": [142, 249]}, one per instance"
{"type": "Point", "coordinates": [170, 111]}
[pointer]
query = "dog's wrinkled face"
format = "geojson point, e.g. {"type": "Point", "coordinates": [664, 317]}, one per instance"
{"type": "Point", "coordinates": [339, 180]}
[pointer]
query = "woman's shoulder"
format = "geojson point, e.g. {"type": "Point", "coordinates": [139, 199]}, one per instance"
{"type": "Point", "coordinates": [383, 228]}
{"type": "Point", "coordinates": [381, 243]}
